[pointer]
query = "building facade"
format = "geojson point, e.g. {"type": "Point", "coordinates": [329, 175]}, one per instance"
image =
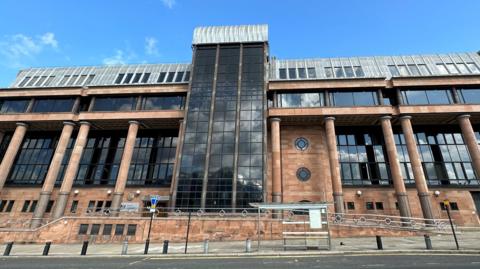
{"type": "Point", "coordinates": [392, 135]}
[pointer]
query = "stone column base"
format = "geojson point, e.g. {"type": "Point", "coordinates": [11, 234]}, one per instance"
{"type": "Point", "coordinates": [338, 203]}
{"type": "Point", "coordinates": [403, 205]}
{"type": "Point", "coordinates": [426, 205]}
{"type": "Point", "coordinates": [40, 209]}
{"type": "Point", "coordinates": [116, 203]}
{"type": "Point", "coordinates": [60, 205]}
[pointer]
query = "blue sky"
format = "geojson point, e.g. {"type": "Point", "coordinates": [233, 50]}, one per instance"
{"type": "Point", "coordinates": [67, 33]}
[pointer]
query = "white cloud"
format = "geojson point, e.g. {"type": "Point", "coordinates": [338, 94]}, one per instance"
{"type": "Point", "coordinates": [117, 59]}
{"type": "Point", "coordinates": [17, 49]}
{"type": "Point", "coordinates": [49, 39]}
{"type": "Point", "coordinates": [151, 46]}
{"type": "Point", "coordinates": [169, 3]}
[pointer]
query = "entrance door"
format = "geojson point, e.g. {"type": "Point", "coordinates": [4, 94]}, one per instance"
{"type": "Point", "coordinates": [476, 200]}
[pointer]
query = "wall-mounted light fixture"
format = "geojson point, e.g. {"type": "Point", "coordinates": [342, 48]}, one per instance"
{"type": "Point", "coordinates": [436, 193]}
{"type": "Point", "coordinates": [76, 192]}
{"type": "Point", "coordinates": [109, 192]}
{"type": "Point", "coordinates": [359, 193]}
{"type": "Point", "coordinates": [138, 192]}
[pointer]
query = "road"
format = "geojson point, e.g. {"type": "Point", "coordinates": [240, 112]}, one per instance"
{"type": "Point", "coordinates": [346, 261]}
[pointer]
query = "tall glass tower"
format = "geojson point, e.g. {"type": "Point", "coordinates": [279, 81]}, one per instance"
{"type": "Point", "coordinates": [222, 160]}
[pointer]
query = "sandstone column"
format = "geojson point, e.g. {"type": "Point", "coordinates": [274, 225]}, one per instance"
{"type": "Point", "coordinates": [395, 171]}
{"type": "Point", "coordinates": [11, 152]}
{"type": "Point", "coordinates": [71, 170]}
{"type": "Point", "coordinates": [124, 166]}
{"type": "Point", "coordinates": [420, 182]}
{"type": "Point", "coordinates": [276, 161]}
{"type": "Point", "coordinates": [52, 174]}
{"type": "Point", "coordinates": [470, 141]}
{"type": "Point", "coordinates": [334, 164]}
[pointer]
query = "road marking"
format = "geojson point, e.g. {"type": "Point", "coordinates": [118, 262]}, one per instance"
{"type": "Point", "coordinates": [475, 262]}
{"type": "Point", "coordinates": [132, 263]}
{"type": "Point", "coordinates": [373, 265]}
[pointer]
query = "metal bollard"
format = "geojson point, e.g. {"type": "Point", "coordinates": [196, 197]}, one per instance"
{"type": "Point", "coordinates": [379, 242]}
{"type": "Point", "coordinates": [84, 248]}
{"type": "Point", "coordinates": [46, 249]}
{"type": "Point", "coordinates": [125, 247]}
{"type": "Point", "coordinates": [147, 245]}
{"type": "Point", "coordinates": [8, 248]}
{"type": "Point", "coordinates": [165, 247]}
{"type": "Point", "coordinates": [428, 242]}
{"type": "Point", "coordinates": [205, 246]}
{"type": "Point", "coordinates": [248, 245]}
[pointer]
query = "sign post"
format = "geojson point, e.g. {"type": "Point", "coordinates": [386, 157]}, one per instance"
{"type": "Point", "coordinates": [446, 203]}
{"type": "Point", "coordinates": [153, 207]}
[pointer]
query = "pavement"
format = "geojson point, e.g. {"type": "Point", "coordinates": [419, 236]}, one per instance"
{"type": "Point", "coordinates": [288, 262]}
{"type": "Point", "coordinates": [468, 241]}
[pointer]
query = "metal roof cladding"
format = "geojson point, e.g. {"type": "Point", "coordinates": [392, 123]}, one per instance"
{"type": "Point", "coordinates": [230, 34]}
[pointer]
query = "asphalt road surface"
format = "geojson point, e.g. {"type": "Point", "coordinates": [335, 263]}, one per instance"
{"type": "Point", "coordinates": [350, 261]}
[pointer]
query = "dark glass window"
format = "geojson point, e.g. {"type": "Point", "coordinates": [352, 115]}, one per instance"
{"type": "Point", "coordinates": [179, 77]}
{"type": "Point", "coordinates": [422, 97]}
{"type": "Point", "coordinates": [470, 96]}
{"type": "Point", "coordinates": [369, 206]}
{"type": "Point", "coordinates": [26, 205]}
{"type": "Point", "coordinates": [358, 71]}
{"type": "Point", "coordinates": [33, 206]}
{"type": "Point", "coordinates": [300, 99]}
{"type": "Point", "coordinates": [339, 72]}
{"type": "Point", "coordinates": [119, 78]}
{"type": "Point", "coordinates": [362, 156]}
{"type": "Point", "coordinates": [163, 102]}
{"type": "Point", "coordinates": [107, 229]}
{"type": "Point", "coordinates": [303, 174]}
{"type": "Point", "coordinates": [170, 76]}
{"type": "Point", "coordinates": [153, 159]}
{"type": "Point", "coordinates": [187, 76]}
{"type": "Point", "coordinates": [119, 228]}
{"type": "Point", "coordinates": [357, 98]}
{"type": "Point", "coordinates": [32, 161]}
{"type": "Point", "coordinates": [145, 77]}
{"type": "Point", "coordinates": [73, 208]}
{"type": "Point", "coordinates": [311, 72]}
{"type": "Point", "coordinates": [83, 229]}
{"type": "Point", "coordinates": [95, 229]}
{"type": "Point", "coordinates": [393, 71]}
{"type": "Point", "coordinates": [13, 106]}
{"type": "Point", "coordinates": [161, 77]}
{"type": "Point", "coordinates": [444, 156]}
{"type": "Point", "coordinates": [24, 81]}
{"type": "Point", "coordinates": [131, 229]}
{"type": "Point", "coordinates": [53, 105]}
{"type": "Point", "coordinates": [9, 206]}
{"type": "Point", "coordinates": [302, 73]}
{"type": "Point", "coordinates": [128, 77]}
{"type": "Point", "coordinates": [49, 206]}
{"type": "Point", "coordinates": [349, 72]}
{"type": "Point", "coordinates": [379, 205]}
{"type": "Point", "coordinates": [101, 159]}
{"type": "Point", "coordinates": [282, 73]}
{"type": "Point", "coordinates": [292, 73]}
{"type": "Point", "coordinates": [137, 77]}
{"type": "Point", "coordinates": [114, 103]}
{"type": "Point", "coordinates": [328, 72]}
{"type": "Point", "coordinates": [350, 205]}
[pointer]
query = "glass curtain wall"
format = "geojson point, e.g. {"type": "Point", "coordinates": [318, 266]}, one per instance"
{"type": "Point", "coordinates": [445, 157]}
{"type": "Point", "coordinates": [222, 149]}
{"type": "Point", "coordinates": [362, 156]}
{"type": "Point", "coordinates": [192, 164]}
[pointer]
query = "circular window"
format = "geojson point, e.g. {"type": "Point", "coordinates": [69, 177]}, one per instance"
{"type": "Point", "coordinates": [303, 174]}
{"type": "Point", "coordinates": [301, 143]}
